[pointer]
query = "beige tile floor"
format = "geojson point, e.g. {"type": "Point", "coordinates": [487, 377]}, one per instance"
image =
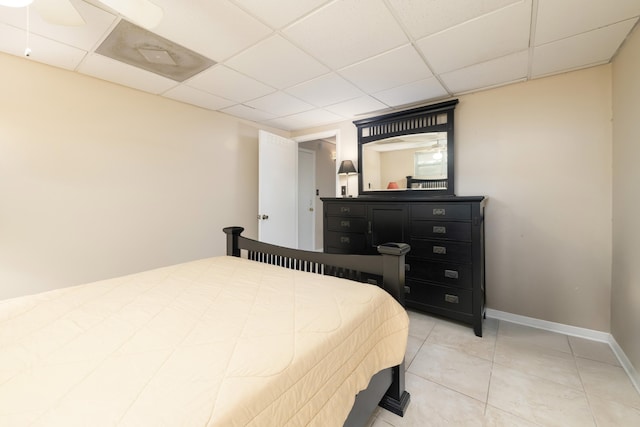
{"type": "Point", "coordinates": [513, 376]}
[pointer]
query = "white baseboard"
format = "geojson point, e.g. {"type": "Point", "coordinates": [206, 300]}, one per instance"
{"type": "Point", "coordinates": [633, 374]}
{"type": "Point", "coordinates": [575, 331]}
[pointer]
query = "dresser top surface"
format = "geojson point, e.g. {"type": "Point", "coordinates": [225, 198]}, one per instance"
{"type": "Point", "coordinates": [406, 199]}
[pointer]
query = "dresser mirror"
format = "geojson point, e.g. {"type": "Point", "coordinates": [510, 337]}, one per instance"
{"type": "Point", "coordinates": [415, 161]}
{"type": "Point", "coordinates": [409, 153]}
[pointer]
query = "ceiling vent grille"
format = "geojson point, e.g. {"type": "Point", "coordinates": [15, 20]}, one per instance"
{"type": "Point", "coordinates": [141, 48]}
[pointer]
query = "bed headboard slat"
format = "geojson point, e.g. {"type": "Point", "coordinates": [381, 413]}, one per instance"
{"type": "Point", "coordinates": [386, 270]}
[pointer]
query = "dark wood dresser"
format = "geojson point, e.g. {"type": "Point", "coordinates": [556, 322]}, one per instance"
{"type": "Point", "coordinates": [445, 267]}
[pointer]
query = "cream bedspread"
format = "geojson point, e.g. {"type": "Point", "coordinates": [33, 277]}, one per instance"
{"type": "Point", "coordinates": [222, 341]}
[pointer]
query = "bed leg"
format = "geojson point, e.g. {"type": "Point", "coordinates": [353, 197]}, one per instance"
{"type": "Point", "coordinates": [396, 399]}
{"type": "Point", "coordinates": [232, 240]}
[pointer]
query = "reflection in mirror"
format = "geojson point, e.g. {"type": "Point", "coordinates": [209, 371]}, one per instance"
{"type": "Point", "coordinates": [415, 161]}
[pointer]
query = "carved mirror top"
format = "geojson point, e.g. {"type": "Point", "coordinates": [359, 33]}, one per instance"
{"type": "Point", "coordinates": [409, 153]}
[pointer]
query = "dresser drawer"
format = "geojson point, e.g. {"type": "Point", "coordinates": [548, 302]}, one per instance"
{"type": "Point", "coordinates": [455, 299]}
{"type": "Point", "coordinates": [458, 275]}
{"type": "Point", "coordinates": [441, 230]}
{"type": "Point", "coordinates": [346, 209]}
{"type": "Point", "coordinates": [441, 250]}
{"type": "Point", "coordinates": [445, 211]}
{"type": "Point", "coordinates": [346, 224]}
{"type": "Point", "coordinates": [345, 242]}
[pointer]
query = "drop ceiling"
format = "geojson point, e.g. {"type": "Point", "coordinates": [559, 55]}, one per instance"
{"type": "Point", "coordinates": [296, 64]}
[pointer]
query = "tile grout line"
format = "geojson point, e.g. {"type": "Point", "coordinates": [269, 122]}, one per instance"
{"type": "Point", "coordinates": [584, 389]}
{"type": "Point", "coordinates": [493, 363]}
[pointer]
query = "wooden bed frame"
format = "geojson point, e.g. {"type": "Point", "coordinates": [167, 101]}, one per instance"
{"type": "Point", "coordinates": [386, 388]}
{"type": "Point", "coordinates": [431, 184]}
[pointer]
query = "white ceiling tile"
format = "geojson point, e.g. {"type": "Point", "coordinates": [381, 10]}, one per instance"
{"type": "Point", "coordinates": [394, 68]}
{"type": "Point", "coordinates": [83, 37]}
{"type": "Point", "coordinates": [306, 120]}
{"type": "Point", "coordinates": [216, 29]}
{"type": "Point", "coordinates": [425, 17]}
{"type": "Point", "coordinates": [499, 71]}
{"type": "Point", "coordinates": [278, 13]}
{"type": "Point", "coordinates": [357, 106]}
{"type": "Point", "coordinates": [422, 90]}
{"type": "Point", "coordinates": [197, 97]}
{"type": "Point", "coordinates": [346, 58]}
{"type": "Point", "coordinates": [111, 70]}
{"type": "Point", "coordinates": [347, 31]}
{"type": "Point", "coordinates": [490, 36]}
{"type": "Point", "coordinates": [280, 104]}
{"type": "Point", "coordinates": [248, 113]}
{"type": "Point", "coordinates": [227, 83]}
{"type": "Point", "coordinates": [585, 49]}
{"type": "Point", "coordinates": [278, 63]}
{"type": "Point", "coordinates": [13, 41]}
{"type": "Point", "coordinates": [583, 16]}
{"type": "Point", "coordinates": [326, 90]}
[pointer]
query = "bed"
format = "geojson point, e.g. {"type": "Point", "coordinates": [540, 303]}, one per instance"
{"type": "Point", "coordinates": [265, 336]}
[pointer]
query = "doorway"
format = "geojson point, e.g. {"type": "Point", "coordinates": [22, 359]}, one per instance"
{"type": "Point", "coordinates": [306, 199]}
{"type": "Point", "coordinates": [324, 146]}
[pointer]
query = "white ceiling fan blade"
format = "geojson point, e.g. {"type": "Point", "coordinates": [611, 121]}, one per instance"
{"type": "Point", "coordinates": [15, 3]}
{"type": "Point", "coordinates": [58, 12]}
{"type": "Point", "coordinates": [141, 12]}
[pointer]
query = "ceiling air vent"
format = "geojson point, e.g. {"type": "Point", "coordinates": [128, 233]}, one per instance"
{"type": "Point", "coordinates": [141, 48]}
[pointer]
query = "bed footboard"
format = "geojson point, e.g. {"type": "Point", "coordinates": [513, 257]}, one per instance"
{"type": "Point", "coordinates": [362, 268]}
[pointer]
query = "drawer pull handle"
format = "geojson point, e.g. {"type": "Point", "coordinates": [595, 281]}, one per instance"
{"type": "Point", "coordinates": [345, 239]}
{"type": "Point", "coordinates": [345, 209]}
{"type": "Point", "coordinates": [439, 212]}
{"type": "Point", "coordinates": [345, 224]}
{"type": "Point", "coordinates": [407, 289]}
{"type": "Point", "coordinates": [451, 274]}
{"type": "Point", "coordinates": [439, 229]}
{"type": "Point", "coordinates": [453, 299]}
{"type": "Point", "coordinates": [440, 250]}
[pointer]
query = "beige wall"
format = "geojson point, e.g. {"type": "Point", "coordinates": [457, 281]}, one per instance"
{"type": "Point", "coordinates": [371, 162]}
{"type": "Point", "coordinates": [396, 165]}
{"type": "Point", "coordinates": [541, 152]}
{"type": "Point", "coordinates": [625, 295]}
{"type": "Point", "coordinates": [98, 180]}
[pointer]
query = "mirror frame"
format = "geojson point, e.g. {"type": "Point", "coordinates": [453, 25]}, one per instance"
{"type": "Point", "coordinates": [417, 120]}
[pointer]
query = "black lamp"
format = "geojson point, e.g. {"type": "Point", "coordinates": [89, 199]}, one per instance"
{"type": "Point", "coordinates": [347, 168]}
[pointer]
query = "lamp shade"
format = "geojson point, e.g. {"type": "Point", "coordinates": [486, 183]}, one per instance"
{"type": "Point", "coordinates": [347, 168]}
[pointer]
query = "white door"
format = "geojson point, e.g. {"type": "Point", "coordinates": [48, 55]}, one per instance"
{"type": "Point", "coordinates": [306, 199]}
{"type": "Point", "coordinates": [277, 190]}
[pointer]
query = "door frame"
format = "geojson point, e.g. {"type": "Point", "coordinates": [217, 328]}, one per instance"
{"type": "Point", "coordinates": [332, 133]}
{"type": "Point", "coordinates": [322, 135]}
